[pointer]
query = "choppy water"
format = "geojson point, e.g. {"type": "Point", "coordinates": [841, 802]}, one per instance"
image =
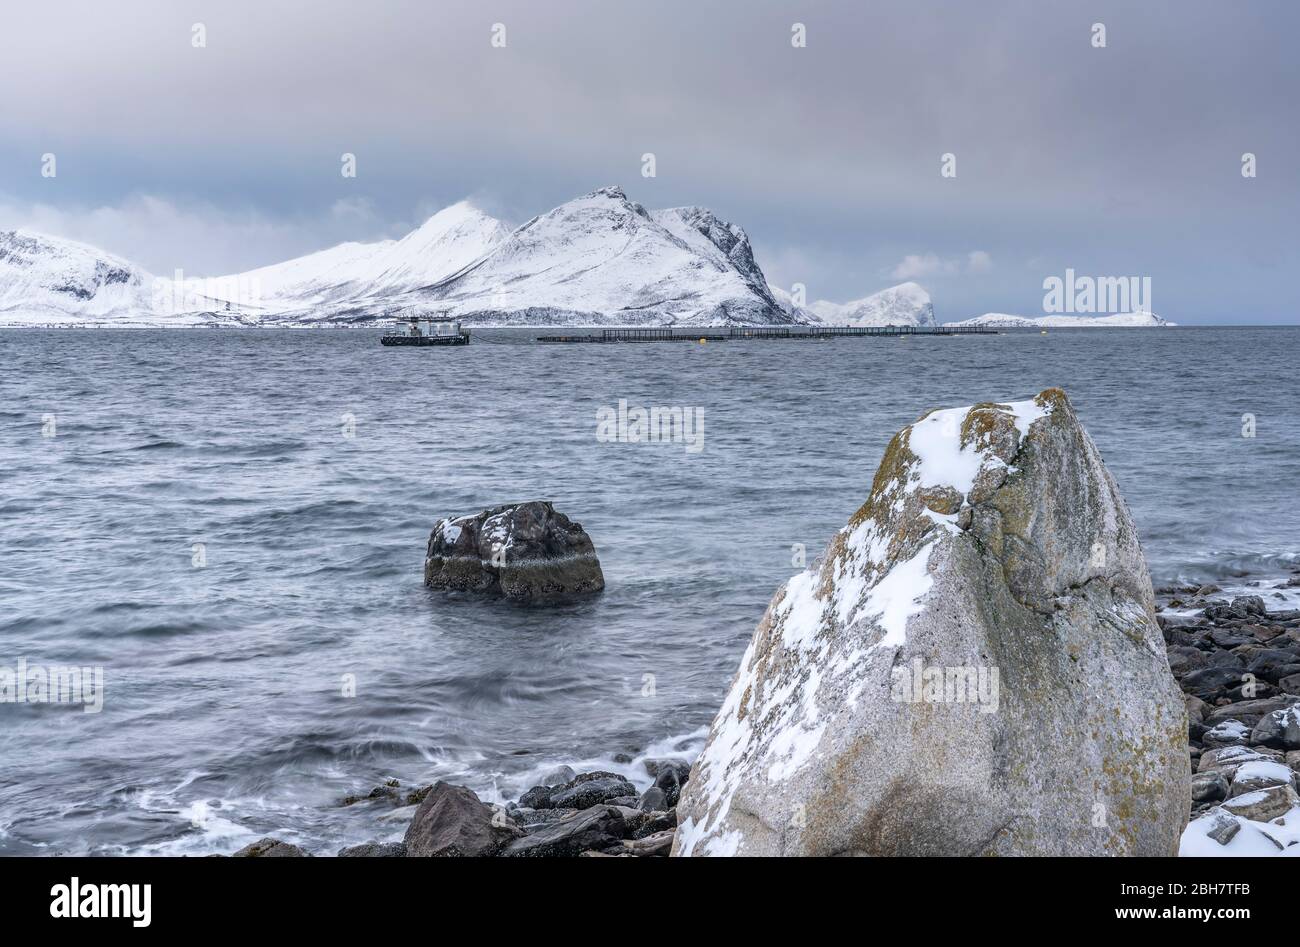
{"type": "Point", "coordinates": [224, 718]}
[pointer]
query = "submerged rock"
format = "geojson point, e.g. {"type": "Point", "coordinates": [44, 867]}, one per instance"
{"type": "Point", "coordinates": [524, 551]}
{"type": "Point", "coordinates": [984, 681]}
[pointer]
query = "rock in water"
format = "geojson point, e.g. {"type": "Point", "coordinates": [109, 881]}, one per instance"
{"type": "Point", "coordinates": [974, 668]}
{"type": "Point", "coordinates": [525, 551]}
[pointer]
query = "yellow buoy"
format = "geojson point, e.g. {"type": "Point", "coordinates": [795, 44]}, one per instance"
{"type": "Point", "coordinates": [702, 341]}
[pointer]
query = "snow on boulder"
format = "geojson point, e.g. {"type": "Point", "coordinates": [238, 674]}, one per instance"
{"type": "Point", "coordinates": [1259, 823]}
{"type": "Point", "coordinates": [524, 551]}
{"type": "Point", "coordinates": [974, 667]}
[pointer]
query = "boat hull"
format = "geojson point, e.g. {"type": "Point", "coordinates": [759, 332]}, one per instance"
{"type": "Point", "coordinates": [419, 340]}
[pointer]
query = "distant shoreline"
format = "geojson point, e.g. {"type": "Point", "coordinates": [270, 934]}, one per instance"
{"type": "Point", "coordinates": [591, 326]}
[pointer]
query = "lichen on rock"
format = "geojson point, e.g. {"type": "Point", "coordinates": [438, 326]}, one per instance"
{"type": "Point", "coordinates": [974, 667]}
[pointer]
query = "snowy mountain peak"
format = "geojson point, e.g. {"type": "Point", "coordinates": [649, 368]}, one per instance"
{"type": "Point", "coordinates": [613, 192]}
{"type": "Point", "coordinates": [907, 304]}
{"type": "Point", "coordinates": [604, 259]}
{"type": "Point", "coordinates": [444, 244]}
{"type": "Point", "coordinates": [351, 274]}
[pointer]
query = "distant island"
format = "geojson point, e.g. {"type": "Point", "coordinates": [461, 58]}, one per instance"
{"type": "Point", "coordinates": [1124, 320]}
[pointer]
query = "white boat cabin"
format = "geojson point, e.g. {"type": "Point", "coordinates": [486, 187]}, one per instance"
{"type": "Point", "coordinates": [429, 326]}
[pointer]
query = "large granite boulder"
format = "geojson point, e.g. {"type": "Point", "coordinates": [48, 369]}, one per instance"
{"type": "Point", "coordinates": [524, 551]}
{"type": "Point", "coordinates": [974, 668]}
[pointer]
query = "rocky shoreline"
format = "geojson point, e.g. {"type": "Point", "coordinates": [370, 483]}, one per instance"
{"type": "Point", "coordinates": [1238, 665]}
{"type": "Point", "coordinates": [1237, 662]}
{"type": "Point", "coordinates": [593, 814]}
{"type": "Point", "coordinates": [976, 666]}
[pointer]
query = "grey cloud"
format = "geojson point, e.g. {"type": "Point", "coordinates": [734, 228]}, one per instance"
{"type": "Point", "coordinates": [1118, 160]}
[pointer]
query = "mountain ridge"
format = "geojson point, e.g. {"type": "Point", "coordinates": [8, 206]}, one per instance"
{"type": "Point", "coordinates": [599, 259]}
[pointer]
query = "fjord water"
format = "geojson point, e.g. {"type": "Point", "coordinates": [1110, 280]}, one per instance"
{"type": "Point", "coordinates": [311, 465]}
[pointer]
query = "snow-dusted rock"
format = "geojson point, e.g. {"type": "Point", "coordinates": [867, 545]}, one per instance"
{"type": "Point", "coordinates": [524, 551]}
{"type": "Point", "coordinates": [1228, 760]}
{"type": "Point", "coordinates": [1279, 729]}
{"type": "Point", "coordinates": [1260, 774]}
{"type": "Point", "coordinates": [1123, 320]}
{"type": "Point", "coordinates": [1263, 823]}
{"type": "Point", "coordinates": [974, 667]}
{"type": "Point", "coordinates": [906, 304]}
{"type": "Point", "coordinates": [1260, 817]}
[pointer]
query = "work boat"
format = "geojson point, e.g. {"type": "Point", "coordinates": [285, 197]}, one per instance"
{"type": "Point", "coordinates": [426, 330]}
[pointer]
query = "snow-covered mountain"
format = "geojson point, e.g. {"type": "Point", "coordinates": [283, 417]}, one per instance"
{"type": "Point", "coordinates": [1126, 320]}
{"type": "Point", "coordinates": [62, 281]}
{"type": "Point", "coordinates": [356, 274]}
{"type": "Point", "coordinates": [603, 259]}
{"type": "Point", "coordinates": [906, 304]}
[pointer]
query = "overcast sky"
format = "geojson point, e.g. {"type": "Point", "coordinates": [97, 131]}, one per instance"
{"type": "Point", "coordinates": [1116, 161]}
